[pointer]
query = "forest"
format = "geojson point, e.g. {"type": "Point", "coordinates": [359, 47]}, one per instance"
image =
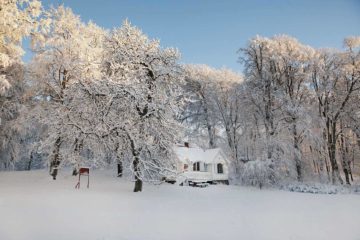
{"type": "Point", "coordinates": [117, 98]}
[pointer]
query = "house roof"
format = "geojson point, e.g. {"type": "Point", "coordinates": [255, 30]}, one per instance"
{"type": "Point", "coordinates": [195, 154]}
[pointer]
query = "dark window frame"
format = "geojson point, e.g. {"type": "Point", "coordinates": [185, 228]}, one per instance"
{"type": "Point", "coordinates": [220, 168]}
{"type": "Point", "coordinates": [196, 167]}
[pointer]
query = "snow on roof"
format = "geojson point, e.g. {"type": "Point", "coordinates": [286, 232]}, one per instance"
{"type": "Point", "coordinates": [194, 154]}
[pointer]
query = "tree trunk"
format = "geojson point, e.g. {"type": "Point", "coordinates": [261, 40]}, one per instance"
{"type": "Point", "coordinates": [119, 169]}
{"type": "Point", "coordinates": [297, 153]}
{"type": "Point", "coordinates": [119, 161]}
{"type": "Point", "coordinates": [136, 167]}
{"type": "Point", "coordinates": [323, 157]}
{"type": "Point", "coordinates": [30, 161]}
{"type": "Point", "coordinates": [269, 147]}
{"type": "Point", "coordinates": [352, 161]}
{"type": "Point", "coordinates": [231, 142]}
{"type": "Point", "coordinates": [344, 155]}
{"type": "Point", "coordinates": [269, 118]}
{"type": "Point", "coordinates": [138, 181]}
{"type": "Point", "coordinates": [331, 133]}
{"type": "Point", "coordinates": [210, 128]}
{"type": "Point", "coordinates": [56, 159]}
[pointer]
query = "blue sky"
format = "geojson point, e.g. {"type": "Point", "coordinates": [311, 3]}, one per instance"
{"type": "Point", "coordinates": [212, 31]}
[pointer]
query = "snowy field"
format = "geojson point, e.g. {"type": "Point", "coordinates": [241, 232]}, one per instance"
{"type": "Point", "coordinates": [33, 206]}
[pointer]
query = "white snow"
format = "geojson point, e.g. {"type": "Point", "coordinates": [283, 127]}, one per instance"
{"type": "Point", "coordinates": [195, 154]}
{"type": "Point", "coordinates": [32, 206]}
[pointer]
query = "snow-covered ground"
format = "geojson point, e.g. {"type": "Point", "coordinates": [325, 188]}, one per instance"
{"type": "Point", "coordinates": [32, 206]}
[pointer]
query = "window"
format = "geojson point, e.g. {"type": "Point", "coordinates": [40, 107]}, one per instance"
{"type": "Point", "coordinates": [220, 168]}
{"type": "Point", "coordinates": [186, 167]}
{"type": "Point", "coordinates": [196, 166]}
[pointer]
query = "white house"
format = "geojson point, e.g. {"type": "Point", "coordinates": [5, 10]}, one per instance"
{"type": "Point", "coordinates": [197, 165]}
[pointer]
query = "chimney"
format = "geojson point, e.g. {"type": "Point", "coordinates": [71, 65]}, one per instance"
{"type": "Point", "coordinates": [186, 144]}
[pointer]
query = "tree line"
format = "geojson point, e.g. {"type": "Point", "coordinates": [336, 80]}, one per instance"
{"type": "Point", "coordinates": [292, 115]}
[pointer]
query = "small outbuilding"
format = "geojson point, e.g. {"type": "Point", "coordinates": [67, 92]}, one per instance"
{"type": "Point", "coordinates": [197, 165]}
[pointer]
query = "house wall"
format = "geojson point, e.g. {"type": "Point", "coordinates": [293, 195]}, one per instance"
{"type": "Point", "coordinates": [207, 173]}
{"type": "Point", "coordinates": [223, 176]}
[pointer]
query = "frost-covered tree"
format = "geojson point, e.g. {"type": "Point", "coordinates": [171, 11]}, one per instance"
{"type": "Point", "coordinates": [111, 97]}
{"type": "Point", "coordinates": [147, 80]}
{"type": "Point", "coordinates": [18, 19]}
{"type": "Point", "coordinates": [200, 111]}
{"type": "Point", "coordinates": [283, 79]}
{"type": "Point", "coordinates": [290, 70]}
{"type": "Point", "coordinates": [276, 92]}
{"type": "Point", "coordinates": [217, 106]}
{"type": "Point", "coordinates": [336, 82]}
{"type": "Point", "coordinates": [265, 98]}
{"type": "Point", "coordinates": [66, 51]}
{"type": "Point", "coordinates": [227, 87]}
{"type": "Point", "coordinates": [259, 70]}
{"type": "Point", "coordinates": [214, 106]}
